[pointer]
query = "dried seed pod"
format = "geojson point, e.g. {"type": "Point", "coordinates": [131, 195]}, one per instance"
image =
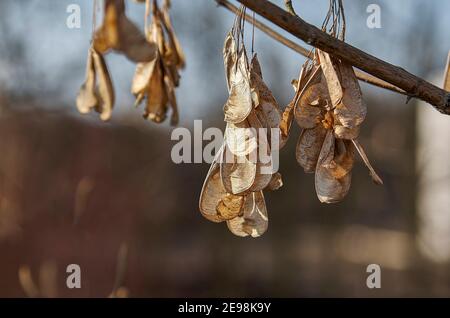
{"type": "Point", "coordinates": [239, 103]}
{"type": "Point", "coordinates": [120, 34]}
{"type": "Point", "coordinates": [309, 146]}
{"type": "Point", "coordinates": [237, 172]}
{"type": "Point", "coordinates": [105, 88]}
{"type": "Point", "coordinates": [229, 57]}
{"type": "Point", "coordinates": [87, 97]}
{"type": "Point", "coordinates": [254, 221]}
{"type": "Point", "coordinates": [245, 167]}
{"type": "Point", "coordinates": [332, 78]}
{"type": "Point", "coordinates": [176, 56]}
{"type": "Point", "coordinates": [263, 156]}
{"type": "Point", "coordinates": [241, 139]}
{"type": "Point", "coordinates": [333, 171]}
{"type": "Point", "coordinates": [97, 92]}
{"type": "Point", "coordinates": [351, 111]}
{"type": "Point", "coordinates": [157, 79]}
{"type": "Point", "coordinates": [212, 192]}
{"type": "Point", "coordinates": [309, 110]}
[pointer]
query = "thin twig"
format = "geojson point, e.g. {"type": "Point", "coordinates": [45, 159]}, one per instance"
{"type": "Point", "coordinates": [302, 51]}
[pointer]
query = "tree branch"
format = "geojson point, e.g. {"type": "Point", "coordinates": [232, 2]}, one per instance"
{"type": "Point", "coordinates": [414, 86]}
{"type": "Point", "coordinates": [301, 50]}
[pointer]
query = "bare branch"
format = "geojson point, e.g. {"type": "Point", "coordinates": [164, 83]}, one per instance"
{"type": "Point", "coordinates": [301, 50]}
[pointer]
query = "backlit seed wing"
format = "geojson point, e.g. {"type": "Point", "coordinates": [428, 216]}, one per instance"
{"type": "Point", "coordinates": [119, 33]}
{"type": "Point", "coordinates": [263, 156]}
{"type": "Point", "coordinates": [332, 78]}
{"type": "Point", "coordinates": [212, 192]}
{"type": "Point", "coordinates": [333, 171]}
{"type": "Point", "coordinates": [241, 139]}
{"type": "Point", "coordinates": [229, 57]}
{"type": "Point", "coordinates": [256, 67]}
{"type": "Point", "coordinates": [105, 87]}
{"type": "Point", "coordinates": [172, 100]}
{"type": "Point", "coordinates": [308, 112]}
{"type": "Point", "coordinates": [276, 182]}
{"type": "Point", "coordinates": [352, 110]}
{"type": "Point", "coordinates": [342, 132]}
{"type": "Point", "coordinates": [142, 77]}
{"type": "Point", "coordinates": [309, 146]}
{"type": "Point", "coordinates": [254, 221]}
{"type": "Point", "coordinates": [156, 106]}
{"type": "Point", "coordinates": [286, 123]}
{"type": "Point", "coordinates": [87, 99]}
{"type": "Point", "coordinates": [237, 172]}
{"type": "Point", "coordinates": [180, 60]}
{"type": "Point", "coordinates": [239, 104]}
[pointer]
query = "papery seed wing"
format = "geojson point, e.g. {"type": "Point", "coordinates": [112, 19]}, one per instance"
{"type": "Point", "coordinates": [212, 192]}
{"type": "Point", "coordinates": [256, 67]}
{"type": "Point", "coordinates": [333, 171]}
{"type": "Point", "coordinates": [241, 139]}
{"type": "Point", "coordinates": [276, 182]}
{"type": "Point", "coordinates": [308, 112]}
{"type": "Point", "coordinates": [142, 77]}
{"type": "Point", "coordinates": [331, 190]}
{"type": "Point", "coordinates": [342, 132]}
{"type": "Point", "coordinates": [105, 87]}
{"type": "Point", "coordinates": [254, 221]}
{"type": "Point", "coordinates": [286, 123]}
{"type": "Point", "coordinates": [87, 98]}
{"type": "Point", "coordinates": [237, 173]}
{"type": "Point", "coordinates": [239, 104]}
{"type": "Point", "coordinates": [156, 106]}
{"type": "Point", "coordinates": [351, 111]}
{"type": "Point", "coordinates": [172, 100]}
{"type": "Point", "coordinates": [309, 146]}
{"type": "Point", "coordinates": [107, 36]}
{"type": "Point", "coordinates": [332, 78]}
{"type": "Point", "coordinates": [180, 60]}
{"type": "Point", "coordinates": [263, 156]}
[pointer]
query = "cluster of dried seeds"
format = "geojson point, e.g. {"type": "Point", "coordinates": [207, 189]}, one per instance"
{"type": "Point", "coordinates": [233, 189]}
{"type": "Point", "coordinates": [158, 55]}
{"type": "Point", "coordinates": [328, 106]}
{"type": "Point", "coordinates": [156, 80]}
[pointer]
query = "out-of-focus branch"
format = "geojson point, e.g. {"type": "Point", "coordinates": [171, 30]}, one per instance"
{"type": "Point", "coordinates": [301, 50]}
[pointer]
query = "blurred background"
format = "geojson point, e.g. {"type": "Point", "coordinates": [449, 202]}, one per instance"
{"type": "Point", "coordinates": [106, 196]}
